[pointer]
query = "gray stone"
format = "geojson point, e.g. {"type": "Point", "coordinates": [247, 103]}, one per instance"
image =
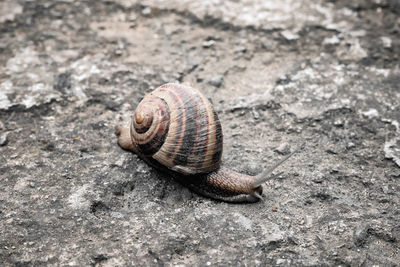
{"type": "Point", "coordinates": [283, 149]}
{"type": "Point", "coordinates": [146, 11]}
{"type": "Point", "coordinates": [208, 44]}
{"type": "Point", "coordinates": [3, 139]}
{"type": "Point", "coordinates": [392, 150]}
{"type": "Point", "coordinates": [290, 36]}
{"type": "Point", "coordinates": [216, 80]}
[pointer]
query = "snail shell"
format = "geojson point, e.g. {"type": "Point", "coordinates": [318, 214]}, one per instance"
{"type": "Point", "coordinates": [176, 129]}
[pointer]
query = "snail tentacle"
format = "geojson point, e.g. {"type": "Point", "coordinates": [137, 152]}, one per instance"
{"type": "Point", "coordinates": [265, 175]}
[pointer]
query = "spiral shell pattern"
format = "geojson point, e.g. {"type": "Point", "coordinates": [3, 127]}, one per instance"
{"type": "Point", "coordinates": [177, 126]}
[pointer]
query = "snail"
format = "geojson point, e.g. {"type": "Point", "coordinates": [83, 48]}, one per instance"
{"type": "Point", "coordinates": [176, 130]}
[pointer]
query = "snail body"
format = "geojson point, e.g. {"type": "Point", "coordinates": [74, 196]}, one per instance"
{"type": "Point", "coordinates": [176, 129]}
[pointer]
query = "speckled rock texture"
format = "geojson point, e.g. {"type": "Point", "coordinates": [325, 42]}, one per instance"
{"type": "Point", "coordinates": [279, 73]}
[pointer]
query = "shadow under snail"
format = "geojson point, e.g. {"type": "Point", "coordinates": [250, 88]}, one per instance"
{"type": "Point", "coordinates": [176, 130]}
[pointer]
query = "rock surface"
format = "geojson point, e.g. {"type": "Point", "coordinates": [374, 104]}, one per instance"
{"type": "Point", "coordinates": [323, 72]}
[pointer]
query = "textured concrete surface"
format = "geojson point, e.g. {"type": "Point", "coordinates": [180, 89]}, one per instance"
{"type": "Point", "coordinates": [323, 72]}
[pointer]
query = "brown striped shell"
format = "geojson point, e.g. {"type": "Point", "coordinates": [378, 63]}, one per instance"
{"type": "Point", "coordinates": [177, 126]}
